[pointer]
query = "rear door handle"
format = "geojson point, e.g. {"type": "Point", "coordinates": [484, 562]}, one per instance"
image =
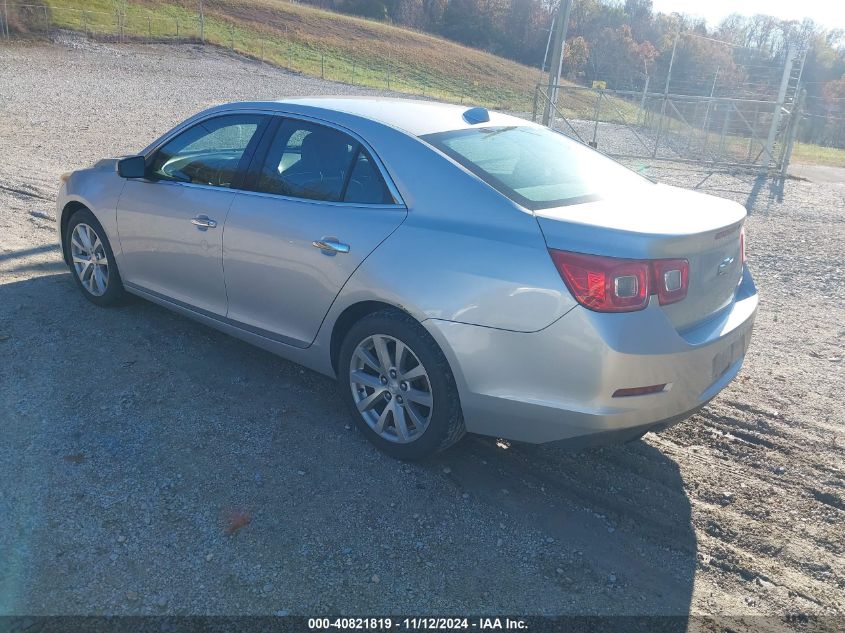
{"type": "Point", "coordinates": [204, 222]}
{"type": "Point", "coordinates": [330, 246]}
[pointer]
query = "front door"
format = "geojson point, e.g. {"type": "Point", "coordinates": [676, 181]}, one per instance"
{"type": "Point", "coordinates": [318, 207]}
{"type": "Point", "coordinates": [170, 223]}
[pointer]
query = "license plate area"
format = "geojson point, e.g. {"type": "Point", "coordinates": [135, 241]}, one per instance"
{"type": "Point", "coordinates": [728, 356]}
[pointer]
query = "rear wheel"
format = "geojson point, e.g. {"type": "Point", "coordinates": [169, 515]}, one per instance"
{"type": "Point", "coordinates": [399, 387]}
{"type": "Point", "coordinates": [92, 260]}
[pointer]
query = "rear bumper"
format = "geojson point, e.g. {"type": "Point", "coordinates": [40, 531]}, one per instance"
{"type": "Point", "coordinates": [557, 384]}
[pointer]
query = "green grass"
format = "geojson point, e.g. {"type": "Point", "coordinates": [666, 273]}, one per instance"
{"type": "Point", "coordinates": [810, 154]}
{"type": "Point", "coordinates": [308, 40]}
{"type": "Point", "coordinates": [319, 43]}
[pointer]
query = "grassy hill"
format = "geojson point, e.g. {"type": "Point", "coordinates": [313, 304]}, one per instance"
{"type": "Point", "coordinates": [305, 39]}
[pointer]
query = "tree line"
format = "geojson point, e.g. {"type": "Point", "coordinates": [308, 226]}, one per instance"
{"type": "Point", "coordinates": [622, 43]}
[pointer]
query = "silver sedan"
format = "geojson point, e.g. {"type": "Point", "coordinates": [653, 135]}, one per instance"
{"type": "Point", "coordinates": [457, 270]}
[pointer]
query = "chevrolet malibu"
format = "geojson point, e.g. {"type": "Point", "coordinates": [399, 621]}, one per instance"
{"type": "Point", "coordinates": [457, 270]}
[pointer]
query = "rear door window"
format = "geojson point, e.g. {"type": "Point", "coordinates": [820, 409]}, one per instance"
{"type": "Point", "coordinates": [316, 162]}
{"type": "Point", "coordinates": [366, 185]}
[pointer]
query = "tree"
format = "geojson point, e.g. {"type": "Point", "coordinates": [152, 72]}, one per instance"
{"type": "Point", "coordinates": [617, 58]}
{"type": "Point", "coordinates": [575, 56]}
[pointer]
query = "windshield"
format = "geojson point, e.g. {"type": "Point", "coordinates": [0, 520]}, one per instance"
{"type": "Point", "coordinates": [536, 167]}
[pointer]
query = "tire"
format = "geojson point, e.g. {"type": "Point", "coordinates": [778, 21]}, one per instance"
{"type": "Point", "coordinates": [361, 380]}
{"type": "Point", "coordinates": [84, 233]}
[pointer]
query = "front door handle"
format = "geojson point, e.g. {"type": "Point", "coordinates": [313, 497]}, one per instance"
{"type": "Point", "coordinates": [330, 246]}
{"type": "Point", "coordinates": [203, 222]}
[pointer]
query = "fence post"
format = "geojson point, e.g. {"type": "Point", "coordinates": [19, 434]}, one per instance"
{"type": "Point", "coordinates": [232, 43]}
{"type": "Point", "coordinates": [388, 72]}
{"type": "Point", "coordinates": [642, 101]}
{"type": "Point", "coordinates": [202, 24]}
{"type": "Point", "coordinates": [753, 133]}
{"type": "Point", "coordinates": [353, 72]}
{"type": "Point", "coordinates": [290, 57]}
{"type": "Point", "coordinates": [149, 27]}
{"type": "Point", "coordinates": [594, 142]}
{"type": "Point", "coordinates": [177, 28]}
{"type": "Point", "coordinates": [262, 51]}
{"type": "Point", "coordinates": [725, 127]}
{"type": "Point", "coordinates": [46, 20]}
{"type": "Point", "coordinates": [322, 65]}
{"type": "Point", "coordinates": [6, 18]}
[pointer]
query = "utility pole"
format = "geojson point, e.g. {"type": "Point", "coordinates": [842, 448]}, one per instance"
{"type": "Point", "coordinates": [709, 107]}
{"type": "Point", "coordinates": [665, 97]}
{"type": "Point", "coordinates": [645, 92]}
{"type": "Point", "coordinates": [548, 44]}
{"type": "Point", "coordinates": [671, 63]}
{"type": "Point", "coordinates": [794, 122]}
{"type": "Point", "coordinates": [202, 24]}
{"type": "Point", "coordinates": [784, 84]}
{"type": "Point", "coordinates": [558, 42]}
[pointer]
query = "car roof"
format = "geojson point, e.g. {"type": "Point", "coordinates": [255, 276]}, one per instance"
{"type": "Point", "coordinates": [413, 116]}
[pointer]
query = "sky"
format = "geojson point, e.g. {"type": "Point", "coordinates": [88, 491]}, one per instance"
{"type": "Point", "coordinates": [828, 13]}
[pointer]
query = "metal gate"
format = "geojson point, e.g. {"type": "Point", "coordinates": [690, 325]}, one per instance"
{"type": "Point", "coordinates": [716, 132]}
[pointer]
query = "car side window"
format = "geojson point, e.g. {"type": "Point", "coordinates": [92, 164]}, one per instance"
{"type": "Point", "coordinates": [365, 182]}
{"type": "Point", "coordinates": [315, 162]}
{"type": "Point", "coordinates": [207, 153]}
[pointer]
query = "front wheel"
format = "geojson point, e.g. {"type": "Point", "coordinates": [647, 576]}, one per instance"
{"type": "Point", "coordinates": [399, 387]}
{"type": "Point", "coordinates": [92, 260]}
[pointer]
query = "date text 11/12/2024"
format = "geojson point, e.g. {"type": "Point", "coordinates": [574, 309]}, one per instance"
{"type": "Point", "coordinates": [414, 624]}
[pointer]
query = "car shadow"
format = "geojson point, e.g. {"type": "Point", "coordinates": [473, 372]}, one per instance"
{"type": "Point", "coordinates": [150, 464]}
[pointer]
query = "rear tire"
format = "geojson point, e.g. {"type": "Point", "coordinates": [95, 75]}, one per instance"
{"type": "Point", "coordinates": [399, 387]}
{"type": "Point", "coordinates": [92, 262]}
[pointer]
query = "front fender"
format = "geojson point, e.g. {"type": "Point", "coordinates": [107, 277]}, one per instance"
{"type": "Point", "coordinates": [98, 189]}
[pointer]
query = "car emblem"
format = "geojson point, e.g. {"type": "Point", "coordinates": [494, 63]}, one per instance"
{"type": "Point", "coordinates": [725, 264]}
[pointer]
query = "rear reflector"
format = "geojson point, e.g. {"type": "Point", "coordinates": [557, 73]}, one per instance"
{"type": "Point", "coordinates": [610, 284]}
{"type": "Point", "coordinates": [638, 391]}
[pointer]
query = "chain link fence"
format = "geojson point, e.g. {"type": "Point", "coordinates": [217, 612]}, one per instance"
{"type": "Point", "coordinates": [716, 132]}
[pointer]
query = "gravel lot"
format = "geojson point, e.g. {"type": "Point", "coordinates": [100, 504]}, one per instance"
{"type": "Point", "coordinates": [150, 465]}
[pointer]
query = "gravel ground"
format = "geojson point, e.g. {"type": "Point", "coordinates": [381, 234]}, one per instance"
{"type": "Point", "coordinates": [150, 465]}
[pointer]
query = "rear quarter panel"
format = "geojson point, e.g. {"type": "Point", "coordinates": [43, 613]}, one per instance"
{"type": "Point", "coordinates": [465, 253]}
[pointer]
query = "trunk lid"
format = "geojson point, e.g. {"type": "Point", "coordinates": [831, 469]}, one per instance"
{"type": "Point", "coordinates": [656, 222]}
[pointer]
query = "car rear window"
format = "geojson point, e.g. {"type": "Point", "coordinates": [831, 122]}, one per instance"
{"type": "Point", "coordinates": [536, 167]}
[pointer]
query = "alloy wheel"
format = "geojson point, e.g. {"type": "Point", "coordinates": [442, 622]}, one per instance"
{"type": "Point", "coordinates": [89, 259]}
{"type": "Point", "coordinates": [391, 388]}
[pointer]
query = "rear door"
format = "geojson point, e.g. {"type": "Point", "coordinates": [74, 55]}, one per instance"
{"type": "Point", "coordinates": [318, 204]}
{"type": "Point", "coordinates": [170, 223]}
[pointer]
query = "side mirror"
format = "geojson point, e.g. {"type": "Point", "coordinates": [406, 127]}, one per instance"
{"type": "Point", "coordinates": [132, 167]}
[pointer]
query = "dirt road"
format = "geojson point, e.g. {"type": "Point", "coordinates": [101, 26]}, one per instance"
{"type": "Point", "coordinates": [134, 440]}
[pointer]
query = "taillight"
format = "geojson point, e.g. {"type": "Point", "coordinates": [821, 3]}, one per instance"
{"type": "Point", "coordinates": [610, 284]}
{"type": "Point", "coordinates": [604, 284]}
{"type": "Point", "coordinates": [670, 279]}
